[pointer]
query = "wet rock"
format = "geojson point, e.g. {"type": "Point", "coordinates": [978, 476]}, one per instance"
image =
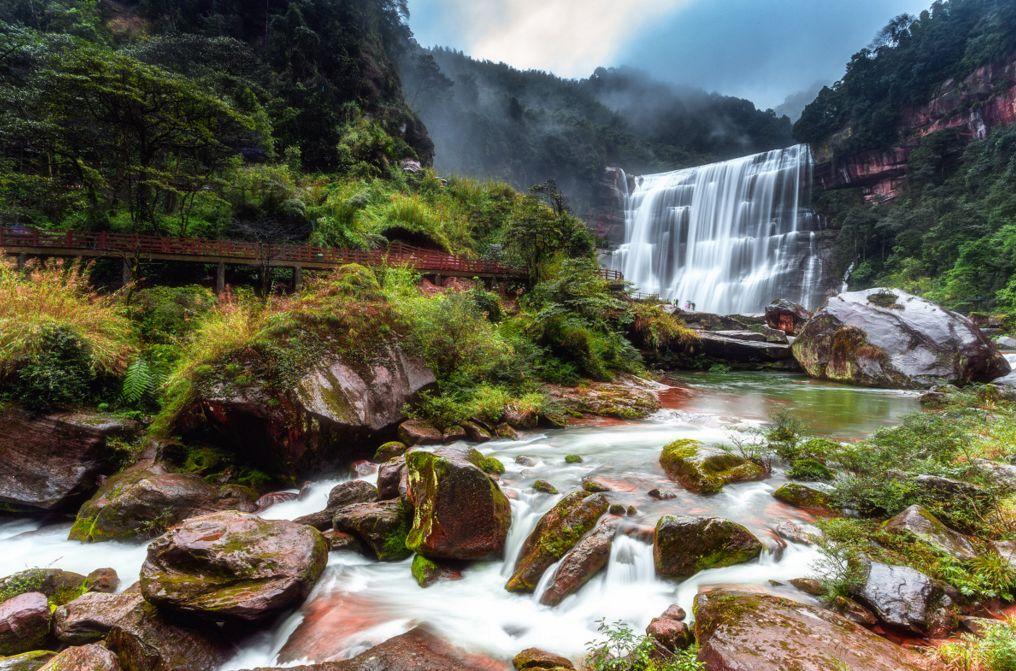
{"type": "Point", "coordinates": [381, 526]}
{"type": "Point", "coordinates": [888, 338]}
{"type": "Point", "coordinates": [556, 533]}
{"type": "Point", "coordinates": [90, 617]}
{"type": "Point", "coordinates": [747, 631]}
{"type": "Point", "coordinates": [521, 418]}
{"type": "Point", "coordinates": [522, 460]}
{"type": "Point", "coordinates": [740, 353]}
{"type": "Point", "coordinates": [454, 434]}
{"type": "Point", "coordinates": [53, 462]}
{"type": "Point", "coordinates": [905, 598]}
{"type": "Point", "coordinates": [393, 479]}
{"type": "Point", "coordinates": [1000, 474]}
{"type": "Point", "coordinates": [341, 541]}
{"type": "Point", "coordinates": [57, 585]}
{"type": "Point", "coordinates": [342, 494]}
{"type": "Point", "coordinates": [312, 424]}
{"type": "Point", "coordinates": [798, 532]}
{"type": "Point", "coordinates": [504, 430]}
{"type": "Point", "coordinates": [804, 497]}
{"type": "Point", "coordinates": [808, 586]}
{"type": "Point", "coordinates": [145, 640]}
{"type": "Point", "coordinates": [24, 623]}
{"type": "Point", "coordinates": [545, 487]}
{"type": "Point", "coordinates": [270, 499]}
{"type": "Point", "coordinates": [705, 470]}
{"type": "Point", "coordinates": [488, 464]}
{"type": "Point", "coordinates": [390, 450]}
{"type": "Point", "coordinates": [572, 459]}
{"type": "Point", "coordinates": [418, 432]}
{"type": "Point", "coordinates": [142, 502]}
{"type": "Point", "coordinates": [854, 612]}
{"type": "Point", "coordinates": [978, 626]}
{"type": "Point", "coordinates": [476, 433]}
{"type": "Point", "coordinates": [670, 631]}
{"type": "Point", "coordinates": [426, 572]}
{"type": "Point", "coordinates": [460, 512]}
{"type": "Point", "coordinates": [683, 546]}
{"type": "Point", "coordinates": [534, 658]}
{"type": "Point", "coordinates": [593, 484]}
{"type": "Point", "coordinates": [580, 564]}
{"type": "Point", "coordinates": [920, 523]}
{"type": "Point", "coordinates": [663, 493]}
{"type": "Point", "coordinates": [92, 657]}
{"type": "Point", "coordinates": [628, 397]}
{"type": "Point", "coordinates": [102, 580]}
{"type": "Point", "coordinates": [233, 566]}
{"type": "Point", "coordinates": [26, 661]}
{"type": "Point", "coordinates": [787, 316]}
{"type": "Point", "coordinates": [1007, 551]}
{"type": "Point", "coordinates": [1006, 342]}
{"type": "Point", "coordinates": [416, 650]}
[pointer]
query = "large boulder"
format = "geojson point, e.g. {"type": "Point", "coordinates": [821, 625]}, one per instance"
{"type": "Point", "coordinates": [669, 630]}
{"type": "Point", "coordinates": [92, 657]}
{"type": "Point", "coordinates": [628, 397]}
{"type": "Point", "coordinates": [233, 566]}
{"type": "Point", "coordinates": [460, 511]}
{"type": "Point", "coordinates": [589, 556]}
{"type": "Point", "coordinates": [342, 494]}
{"type": "Point", "coordinates": [683, 546]}
{"type": "Point", "coordinates": [334, 407]}
{"type": "Point", "coordinates": [921, 524]}
{"type": "Point", "coordinates": [57, 585]}
{"type": "Point", "coordinates": [705, 470]}
{"type": "Point", "coordinates": [748, 631]}
{"type": "Point", "coordinates": [24, 623]}
{"type": "Point", "coordinates": [557, 532]}
{"type": "Point", "coordinates": [739, 352]}
{"type": "Point", "coordinates": [889, 338]}
{"type": "Point", "coordinates": [144, 501]}
{"type": "Point", "coordinates": [90, 617]}
{"type": "Point", "coordinates": [382, 526]}
{"type": "Point", "coordinates": [905, 598]}
{"type": "Point", "coordinates": [53, 462]}
{"type": "Point", "coordinates": [393, 479]}
{"type": "Point", "coordinates": [26, 661]}
{"type": "Point", "coordinates": [787, 316]}
{"type": "Point", "coordinates": [146, 640]}
{"type": "Point", "coordinates": [531, 659]}
{"type": "Point", "coordinates": [805, 497]}
{"type": "Point", "coordinates": [416, 650]}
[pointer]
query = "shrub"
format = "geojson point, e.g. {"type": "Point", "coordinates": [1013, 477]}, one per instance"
{"type": "Point", "coordinates": [621, 649]}
{"type": "Point", "coordinates": [654, 327]}
{"type": "Point", "coordinates": [995, 650]}
{"type": "Point", "coordinates": [165, 315]}
{"type": "Point", "coordinates": [59, 374]}
{"type": "Point", "coordinates": [809, 470]}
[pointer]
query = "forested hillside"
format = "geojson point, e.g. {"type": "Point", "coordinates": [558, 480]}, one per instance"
{"type": "Point", "coordinates": [925, 110]}
{"type": "Point", "coordinates": [489, 119]}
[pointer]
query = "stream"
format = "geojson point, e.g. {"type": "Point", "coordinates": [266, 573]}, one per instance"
{"type": "Point", "coordinates": [359, 602]}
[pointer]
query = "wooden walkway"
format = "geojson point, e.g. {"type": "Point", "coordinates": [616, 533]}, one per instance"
{"type": "Point", "coordinates": [24, 242]}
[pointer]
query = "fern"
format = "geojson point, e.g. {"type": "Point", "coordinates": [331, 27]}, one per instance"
{"type": "Point", "coordinates": [137, 382]}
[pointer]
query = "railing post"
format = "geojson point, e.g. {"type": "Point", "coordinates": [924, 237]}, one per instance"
{"type": "Point", "coordinates": [220, 278]}
{"type": "Point", "coordinates": [297, 278]}
{"type": "Point", "coordinates": [125, 271]}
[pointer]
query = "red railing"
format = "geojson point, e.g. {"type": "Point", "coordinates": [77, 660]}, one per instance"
{"type": "Point", "coordinates": [123, 244]}
{"type": "Point", "coordinates": [611, 275]}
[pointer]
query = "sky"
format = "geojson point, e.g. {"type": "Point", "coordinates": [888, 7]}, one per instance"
{"type": "Point", "coordinates": [763, 50]}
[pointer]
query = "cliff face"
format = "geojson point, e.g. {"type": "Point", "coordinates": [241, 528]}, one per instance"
{"type": "Point", "coordinates": [606, 216]}
{"type": "Point", "coordinates": [983, 100]}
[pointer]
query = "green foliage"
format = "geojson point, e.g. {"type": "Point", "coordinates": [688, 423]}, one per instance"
{"type": "Point", "coordinates": [621, 649]}
{"type": "Point", "coordinates": [58, 375]}
{"type": "Point", "coordinates": [138, 382]}
{"type": "Point", "coordinates": [995, 650]}
{"type": "Point", "coordinates": [809, 469]}
{"type": "Point", "coordinates": [537, 236]}
{"type": "Point", "coordinates": [657, 329]}
{"type": "Point", "coordinates": [166, 315]}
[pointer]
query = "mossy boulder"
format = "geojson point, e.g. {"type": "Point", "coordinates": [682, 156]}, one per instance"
{"type": "Point", "coordinates": [419, 432]}
{"type": "Point", "coordinates": [390, 450]}
{"type": "Point", "coordinates": [809, 470]}
{"type": "Point", "coordinates": [142, 502]}
{"type": "Point", "coordinates": [90, 617]}
{"type": "Point", "coordinates": [889, 338]}
{"type": "Point", "coordinates": [762, 632]}
{"type": "Point", "coordinates": [146, 639]}
{"type": "Point", "coordinates": [426, 571]}
{"type": "Point", "coordinates": [460, 511]}
{"type": "Point", "coordinates": [580, 564]}
{"type": "Point", "coordinates": [804, 497]}
{"type": "Point", "coordinates": [921, 524]}
{"type": "Point", "coordinates": [59, 586]}
{"type": "Point", "coordinates": [705, 470]}
{"type": "Point", "coordinates": [382, 526]}
{"type": "Point", "coordinates": [544, 487]}
{"type": "Point", "coordinates": [534, 659]}
{"type": "Point", "coordinates": [92, 657]}
{"type": "Point", "coordinates": [555, 534]}
{"type": "Point", "coordinates": [233, 566]}
{"type": "Point", "coordinates": [26, 661]}
{"type": "Point", "coordinates": [24, 623]}
{"type": "Point", "coordinates": [683, 546]}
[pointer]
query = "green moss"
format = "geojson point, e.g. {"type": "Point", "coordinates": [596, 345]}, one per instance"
{"type": "Point", "coordinates": [809, 469]}
{"type": "Point", "coordinates": [386, 451]}
{"type": "Point", "coordinates": [572, 459]}
{"type": "Point", "coordinates": [424, 570]}
{"type": "Point", "coordinates": [802, 496]}
{"type": "Point", "coordinates": [545, 487]}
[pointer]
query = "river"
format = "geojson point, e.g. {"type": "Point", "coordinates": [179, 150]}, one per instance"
{"type": "Point", "coordinates": [359, 602]}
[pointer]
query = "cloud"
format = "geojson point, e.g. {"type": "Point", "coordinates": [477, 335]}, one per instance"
{"type": "Point", "coordinates": [568, 37]}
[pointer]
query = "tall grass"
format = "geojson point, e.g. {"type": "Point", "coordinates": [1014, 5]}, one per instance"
{"type": "Point", "coordinates": [57, 294]}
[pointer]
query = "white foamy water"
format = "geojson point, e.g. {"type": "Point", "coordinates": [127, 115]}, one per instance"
{"type": "Point", "coordinates": [729, 237]}
{"type": "Point", "coordinates": [360, 602]}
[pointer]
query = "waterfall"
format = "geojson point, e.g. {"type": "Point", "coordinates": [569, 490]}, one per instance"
{"type": "Point", "coordinates": [729, 237]}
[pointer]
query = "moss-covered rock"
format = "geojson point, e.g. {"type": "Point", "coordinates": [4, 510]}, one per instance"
{"type": "Point", "coordinates": [921, 524]}
{"type": "Point", "coordinates": [390, 450]}
{"type": "Point", "coordinates": [764, 632]}
{"type": "Point", "coordinates": [59, 586]}
{"type": "Point", "coordinates": [533, 659]}
{"type": "Point", "coordinates": [24, 623]}
{"type": "Point", "coordinates": [809, 470]}
{"type": "Point", "coordinates": [460, 511]}
{"type": "Point", "coordinates": [487, 464]}
{"type": "Point", "coordinates": [142, 502]}
{"type": "Point", "coordinates": [233, 566]}
{"type": "Point", "coordinates": [26, 661]}
{"type": "Point", "coordinates": [683, 546]}
{"type": "Point", "coordinates": [426, 572]}
{"type": "Point", "coordinates": [706, 470]}
{"type": "Point", "coordinates": [382, 526]}
{"type": "Point", "coordinates": [805, 497]}
{"type": "Point", "coordinates": [554, 535]}
{"type": "Point", "coordinates": [572, 459]}
{"type": "Point", "coordinates": [91, 657]}
{"type": "Point", "coordinates": [544, 487]}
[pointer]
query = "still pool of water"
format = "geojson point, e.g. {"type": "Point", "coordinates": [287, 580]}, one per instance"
{"type": "Point", "coordinates": [359, 602]}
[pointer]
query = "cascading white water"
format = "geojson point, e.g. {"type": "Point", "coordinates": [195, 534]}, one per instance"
{"type": "Point", "coordinates": [729, 237]}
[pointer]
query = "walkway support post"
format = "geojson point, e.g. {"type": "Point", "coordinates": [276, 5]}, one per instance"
{"type": "Point", "coordinates": [220, 278]}
{"type": "Point", "coordinates": [125, 272]}
{"type": "Point", "coordinates": [297, 277]}
{"type": "Point", "coordinates": [22, 260]}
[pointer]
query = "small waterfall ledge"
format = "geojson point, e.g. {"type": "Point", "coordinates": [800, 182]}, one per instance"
{"type": "Point", "coordinates": [728, 237]}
